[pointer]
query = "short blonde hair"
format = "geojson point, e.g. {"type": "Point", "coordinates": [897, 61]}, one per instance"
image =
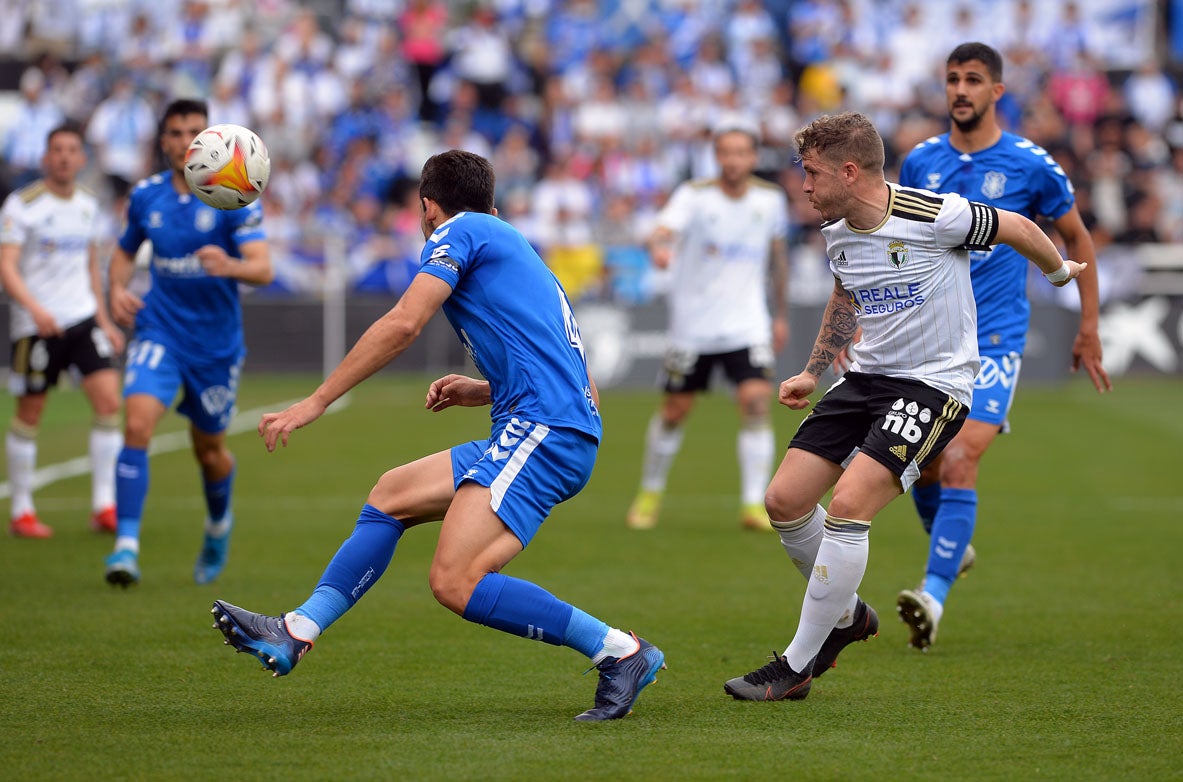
{"type": "Point", "coordinates": [839, 138]}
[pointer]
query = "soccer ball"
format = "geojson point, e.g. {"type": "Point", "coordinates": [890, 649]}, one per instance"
{"type": "Point", "coordinates": [227, 166]}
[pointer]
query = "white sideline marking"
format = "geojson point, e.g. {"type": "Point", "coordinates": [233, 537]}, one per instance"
{"type": "Point", "coordinates": [246, 421]}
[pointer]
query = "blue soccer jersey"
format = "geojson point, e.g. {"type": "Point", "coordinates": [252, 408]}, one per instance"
{"type": "Point", "coordinates": [515, 321]}
{"type": "Point", "coordinates": [1017, 175]}
{"type": "Point", "coordinates": [191, 312]}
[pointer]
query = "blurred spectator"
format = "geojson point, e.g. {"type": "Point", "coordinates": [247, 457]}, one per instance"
{"type": "Point", "coordinates": [1150, 95]}
{"type": "Point", "coordinates": [122, 132]}
{"type": "Point", "coordinates": [482, 56]}
{"type": "Point", "coordinates": [1142, 221]}
{"type": "Point", "coordinates": [14, 18]}
{"type": "Point", "coordinates": [1080, 91]}
{"type": "Point", "coordinates": [423, 25]}
{"type": "Point", "coordinates": [34, 116]}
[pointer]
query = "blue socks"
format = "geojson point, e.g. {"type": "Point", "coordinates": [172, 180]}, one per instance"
{"type": "Point", "coordinates": [131, 487]}
{"type": "Point", "coordinates": [928, 501]}
{"type": "Point", "coordinates": [520, 608]}
{"type": "Point", "coordinates": [217, 496]}
{"type": "Point", "coordinates": [361, 560]}
{"type": "Point", "coordinates": [952, 530]}
{"type": "Point", "coordinates": [504, 603]}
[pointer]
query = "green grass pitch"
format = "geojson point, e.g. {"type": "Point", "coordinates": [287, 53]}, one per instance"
{"type": "Point", "coordinates": [1057, 658]}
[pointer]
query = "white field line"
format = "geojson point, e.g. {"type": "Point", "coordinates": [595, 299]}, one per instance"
{"type": "Point", "coordinates": [245, 421]}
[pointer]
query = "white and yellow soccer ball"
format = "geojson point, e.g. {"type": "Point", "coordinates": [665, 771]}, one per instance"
{"type": "Point", "coordinates": [227, 166]}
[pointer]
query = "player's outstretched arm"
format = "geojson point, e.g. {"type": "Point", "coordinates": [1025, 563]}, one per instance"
{"type": "Point", "coordinates": [254, 268]}
{"type": "Point", "coordinates": [385, 339]}
{"type": "Point", "coordinates": [660, 245]}
{"type": "Point", "coordinates": [1086, 347]}
{"type": "Point", "coordinates": [452, 390]}
{"type": "Point", "coordinates": [102, 316]}
{"type": "Point", "coordinates": [124, 303]}
{"type": "Point", "coordinates": [1031, 242]}
{"type": "Point", "coordinates": [14, 286]}
{"type": "Point", "coordinates": [839, 324]}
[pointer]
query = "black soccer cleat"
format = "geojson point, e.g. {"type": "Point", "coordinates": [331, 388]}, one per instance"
{"type": "Point", "coordinates": [776, 681]}
{"type": "Point", "coordinates": [266, 637]}
{"type": "Point", "coordinates": [864, 627]}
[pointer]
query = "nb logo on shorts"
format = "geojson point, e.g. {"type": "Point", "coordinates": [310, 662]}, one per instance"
{"type": "Point", "coordinates": [902, 420]}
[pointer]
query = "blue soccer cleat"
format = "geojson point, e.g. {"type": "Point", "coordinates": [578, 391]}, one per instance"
{"type": "Point", "coordinates": [123, 568]}
{"type": "Point", "coordinates": [266, 637]}
{"type": "Point", "coordinates": [212, 557]}
{"type": "Point", "coordinates": [621, 681]}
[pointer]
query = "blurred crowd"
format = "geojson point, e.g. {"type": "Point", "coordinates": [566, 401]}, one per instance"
{"type": "Point", "coordinates": [592, 111]}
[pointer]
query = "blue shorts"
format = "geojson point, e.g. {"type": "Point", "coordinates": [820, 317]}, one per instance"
{"type": "Point", "coordinates": [994, 389]}
{"type": "Point", "coordinates": [530, 468]}
{"type": "Point", "coordinates": [210, 389]}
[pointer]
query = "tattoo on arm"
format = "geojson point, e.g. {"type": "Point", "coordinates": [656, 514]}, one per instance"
{"type": "Point", "coordinates": [839, 324]}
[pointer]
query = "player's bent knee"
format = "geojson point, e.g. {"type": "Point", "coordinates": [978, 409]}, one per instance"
{"type": "Point", "coordinates": [782, 505]}
{"type": "Point", "coordinates": [450, 588]}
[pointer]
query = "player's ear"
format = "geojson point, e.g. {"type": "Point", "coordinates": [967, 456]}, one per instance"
{"type": "Point", "coordinates": [494, 212]}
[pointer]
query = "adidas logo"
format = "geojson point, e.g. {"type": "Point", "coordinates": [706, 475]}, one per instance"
{"type": "Point", "coordinates": [900, 451]}
{"type": "Point", "coordinates": [841, 259]}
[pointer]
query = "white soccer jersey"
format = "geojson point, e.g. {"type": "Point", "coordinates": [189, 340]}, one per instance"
{"type": "Point", "coordinates": [719, 295]}
{"type": "Point", "coordinates": [908, 278]}
{"type": "Point", "coordinates": [55, 235]}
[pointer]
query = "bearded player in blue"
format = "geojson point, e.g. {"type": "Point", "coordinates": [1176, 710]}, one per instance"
{"type": "Point", "coordinates": [979, 160]}
{"type": "Point", "coordinates": [188, 337]}
{"type": "Point", "coordinates": [492, 495]}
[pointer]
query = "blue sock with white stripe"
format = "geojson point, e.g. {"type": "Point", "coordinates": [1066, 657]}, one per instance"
{"type": "Point", "coordinates": [520, 608]}
{"type": "Point", "coordinates": [928, 501]}
{"type": "Point", "coordinates": [131, 487]}
{"type": "Point", "coordinates": [217, 495]}
{"type": "Point", "coordinates": [357, 565]}
{"type": "Point", "coordinates": [952, 530]}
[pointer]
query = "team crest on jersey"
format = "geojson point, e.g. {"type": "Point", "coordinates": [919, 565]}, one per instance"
{"type": "Point", "coordinates": [897, 253]}
{"type": "Point", "coordinates": [204, 220]}
{"type": "Point", "coordinates": [994, 185]}
{"type": "Point", "coordinates": [934, 181]}
{"type": "Point", "coordinates": [155, 220]}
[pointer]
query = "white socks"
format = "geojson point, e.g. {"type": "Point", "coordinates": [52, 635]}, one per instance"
{"type": "Point", "coordinates": [105, 444]}
{"type": "Point", "coordinates": [617, 644]}
{"type": "Point", "coordinates": [756, 448]}
{"type": "Point", "coordinates": [801, 539]}
{"type": "Point", "coordinates": [661, 446]}
{"type": "Point", "coordinates": [22, 462]}
{"type": "Point", "coordinates": [301, 627]}
{"type": "Point", "coordinates": [837, 572]}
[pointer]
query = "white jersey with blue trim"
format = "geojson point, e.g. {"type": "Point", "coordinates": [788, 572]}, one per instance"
{"type": "Point", "coordinates": [188, 310]}
{"type": "Point", "coordinates": [1014, 174]}
{"type": "Point", "coordinates": [515, 321]}
{"type": "Point", "coordinates": [55, 235]}
{"type": "Point", "coordinates": [908, 279]}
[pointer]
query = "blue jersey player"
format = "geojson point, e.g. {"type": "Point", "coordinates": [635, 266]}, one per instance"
{"type": "Point", "coordinates": [980, 161]}
{"type": "Point", "coordinates": [188, 337]}
{"type": "Point", "coordinates": [491, 494]}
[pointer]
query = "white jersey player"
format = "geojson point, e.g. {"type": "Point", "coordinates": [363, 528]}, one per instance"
{"type": "Point", "coordinates": [49, 267]}
{"type": "Point", "coordinates": [900, 259]}
{"type": "Point", "coordinates": [724, 241]}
